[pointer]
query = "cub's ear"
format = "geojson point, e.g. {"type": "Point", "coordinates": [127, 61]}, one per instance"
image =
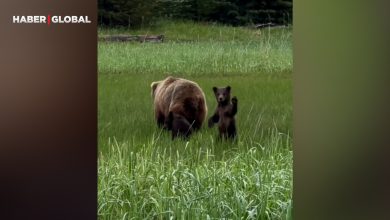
{"type": "Point", "coordinates": [228, 88]}
{"type": "Point", "coordinates": [154, 87]}
{"type": "Point", "coordinates": [215, 89]}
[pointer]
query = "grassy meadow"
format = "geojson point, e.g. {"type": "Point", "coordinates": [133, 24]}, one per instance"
{"type": "Point", "coordinates": [143, 174]}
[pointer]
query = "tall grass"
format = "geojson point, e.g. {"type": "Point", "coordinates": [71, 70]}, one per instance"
{"type": "Point", "coordinates": [194, 58]}
{"type": "Point", "coordinates": [189, 181]}
{"type": "Point", "coordinates": [254, 51]}
{"type": "Point", "coordinates": [145, 175]}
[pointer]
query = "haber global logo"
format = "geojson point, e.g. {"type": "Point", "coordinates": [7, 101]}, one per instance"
{"type": "Point", "coordinates": [41, 19]}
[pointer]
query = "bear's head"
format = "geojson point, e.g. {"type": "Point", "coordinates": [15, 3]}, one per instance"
{"type": "Point", "coordinates": [179, 126]}
{"type": "Point", "coordinates": [222, 94]}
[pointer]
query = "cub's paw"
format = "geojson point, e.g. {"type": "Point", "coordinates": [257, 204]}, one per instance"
{"type": "Point", "coordinates": [211, 123]}
{"type": "Point", "coordinates": [234, 100]}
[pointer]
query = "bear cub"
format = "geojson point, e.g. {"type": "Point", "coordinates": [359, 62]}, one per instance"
{"type": "Point", "coordinates": [179, 126]}
{"type": "Point", "coordinates": [224, 114]}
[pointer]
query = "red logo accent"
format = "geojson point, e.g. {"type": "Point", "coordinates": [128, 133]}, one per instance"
{"type": "Point", "coordinates": [48, 20]}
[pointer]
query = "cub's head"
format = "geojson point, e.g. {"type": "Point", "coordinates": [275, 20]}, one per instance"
{"type": "Point", "coordinates": [222, 94]}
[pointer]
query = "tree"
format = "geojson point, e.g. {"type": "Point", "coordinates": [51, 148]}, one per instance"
{"type": "Point", "coordinates": [132, 13]}
{"type": "Point", "coordinates": [135, 13]}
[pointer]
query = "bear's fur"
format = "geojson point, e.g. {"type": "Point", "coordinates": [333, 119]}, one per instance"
{"type": "Point", "coordinates": [224, 114]}
{"type": "Point", "coordinates": [179, 126]}
{"type": "Point", "coordinates": [185, 99]}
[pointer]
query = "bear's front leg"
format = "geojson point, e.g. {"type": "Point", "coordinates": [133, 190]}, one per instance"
{"type": "Point", "coordinates": [160, 119]}
{"type": "Point", "coordinates": [234, 102]}
{"type": "Point", "coordinates": [213, 119]}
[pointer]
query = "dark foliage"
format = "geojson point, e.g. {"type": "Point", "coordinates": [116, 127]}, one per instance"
{"type": "Point", "coordinates": [136, 13]}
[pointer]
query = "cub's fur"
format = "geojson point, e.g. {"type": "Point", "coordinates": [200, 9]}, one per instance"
{"type": "Point", "coordinates": [224, 114]}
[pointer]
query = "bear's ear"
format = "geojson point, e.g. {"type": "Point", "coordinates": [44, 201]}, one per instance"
{"type": "Point", "coordinates": [215, 89]}
{"type": "Point", "coordinates": [154, 86]}
{"type": "Point", "coordinates": [228, 88]}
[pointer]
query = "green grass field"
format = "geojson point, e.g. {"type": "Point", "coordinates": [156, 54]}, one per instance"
{"type": "Point", "coordinates": [145, 175]}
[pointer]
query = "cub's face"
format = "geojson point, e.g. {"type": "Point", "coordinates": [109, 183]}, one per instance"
{"type": "Point", "coordinates": [222, 94]}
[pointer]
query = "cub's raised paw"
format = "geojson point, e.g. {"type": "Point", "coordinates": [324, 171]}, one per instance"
{"type": "Point", "coordinates": [234, 100]}
{"type": "Point", "coordinates": [211, 123]}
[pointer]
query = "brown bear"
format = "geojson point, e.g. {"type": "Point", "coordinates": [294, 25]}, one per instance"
{"type": "Point", "coordinates": [179, 105]}
{"type": "Point", "coordinates": [224, 114]}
